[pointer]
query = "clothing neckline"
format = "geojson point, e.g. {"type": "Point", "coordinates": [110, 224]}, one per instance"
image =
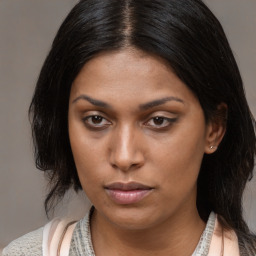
{"type": "Point", "coordinates": [81, 243]}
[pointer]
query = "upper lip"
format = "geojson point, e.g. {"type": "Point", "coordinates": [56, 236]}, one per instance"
{"type": "Point", "coordinates": [127, 186]}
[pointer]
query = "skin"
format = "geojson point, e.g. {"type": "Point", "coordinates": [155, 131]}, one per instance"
{"type": "Point", "coordinates": [124, 142]}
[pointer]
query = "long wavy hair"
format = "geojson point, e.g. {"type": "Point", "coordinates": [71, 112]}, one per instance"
{"type": "Point", "coordinates": [189, 37]}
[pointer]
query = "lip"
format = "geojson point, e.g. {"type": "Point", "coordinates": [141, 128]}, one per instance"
{"type": "Point", "coordinates": [127, 193]}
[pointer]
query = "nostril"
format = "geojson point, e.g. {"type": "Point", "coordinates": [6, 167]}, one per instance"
{"type": "Point", "coordinates": [127, 166]}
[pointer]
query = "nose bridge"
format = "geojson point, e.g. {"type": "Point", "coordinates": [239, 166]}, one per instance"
{"type": "Point", "coordinates": [125, 150]}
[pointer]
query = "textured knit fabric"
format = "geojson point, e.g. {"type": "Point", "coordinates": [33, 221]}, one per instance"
{"type": "Point", "coordinates": [27, 245]}
{"type": "Point", "coordinates": [203, 246]}
{"type": "Point", "coordinates": [81, 243]}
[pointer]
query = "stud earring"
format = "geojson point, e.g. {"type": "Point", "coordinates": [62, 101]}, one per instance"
{"type": "Point", "coordinates": [213, 147]}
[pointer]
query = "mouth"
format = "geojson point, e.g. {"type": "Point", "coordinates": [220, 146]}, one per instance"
{"type": "Point", "coordinates": [127, 193]}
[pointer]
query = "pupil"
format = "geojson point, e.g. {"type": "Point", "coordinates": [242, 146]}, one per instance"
{"type": "Point", "coordinates": [96, 119]}
{"type": "Point", "coordinates": [158, 120]}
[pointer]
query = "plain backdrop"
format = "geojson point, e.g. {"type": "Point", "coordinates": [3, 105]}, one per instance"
{"type": "Point", "coordinates": [27, 28]}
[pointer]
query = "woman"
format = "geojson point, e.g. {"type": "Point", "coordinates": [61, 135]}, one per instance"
{"type": "Point", "coordinates": [141, 105]}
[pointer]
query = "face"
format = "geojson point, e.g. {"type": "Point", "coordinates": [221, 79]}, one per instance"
{"type": "Point", "coordinates": [138, 135]}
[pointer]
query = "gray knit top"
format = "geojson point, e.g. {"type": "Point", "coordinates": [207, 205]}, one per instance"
{"type": "Point", "coordinates": [81, 244]}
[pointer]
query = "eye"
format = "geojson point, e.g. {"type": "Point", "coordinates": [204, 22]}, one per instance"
{"type": "Point", "coordinates": [160, 122]}
{"type": "Point", "coordinates": [96, 121]}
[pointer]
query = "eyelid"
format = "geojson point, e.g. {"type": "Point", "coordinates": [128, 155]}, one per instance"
{"type": "Point", "coordinates": [163, 114]}
{"type": "Point", "coordinates": [90, 116]}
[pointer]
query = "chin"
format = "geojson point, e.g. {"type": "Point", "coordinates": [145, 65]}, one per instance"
{"type": "Point", "coordinates": [132, 218]}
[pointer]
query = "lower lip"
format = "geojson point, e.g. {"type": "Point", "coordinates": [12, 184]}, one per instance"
{"type": "Point", "coordinates": [127, 197]}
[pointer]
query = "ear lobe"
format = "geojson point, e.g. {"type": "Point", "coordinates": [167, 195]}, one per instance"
{"type": "Point", "coordinates": [216, 129]}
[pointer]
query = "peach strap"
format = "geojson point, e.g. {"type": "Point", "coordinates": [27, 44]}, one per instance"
{"type": "Point", "coordinates": [65, 244]}
{"type": "Point", "coordinates": [223, 240]}
{"type": "Point", "coordinates": [57, 235]}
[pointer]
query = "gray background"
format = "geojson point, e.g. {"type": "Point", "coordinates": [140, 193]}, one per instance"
{"type": "Point", "coordinates": [27, 28]}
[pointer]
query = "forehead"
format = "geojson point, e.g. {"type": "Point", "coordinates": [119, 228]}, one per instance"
{"type": "Point", "coordinates": [127, 61]}
{"type": "Point", "coordinates": [128, 74]}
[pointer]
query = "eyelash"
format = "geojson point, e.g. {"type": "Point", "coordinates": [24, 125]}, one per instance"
{"type": "Point", "coordinates": [88, 122]}
{"type": "Point", "coordinates": [168, 121]}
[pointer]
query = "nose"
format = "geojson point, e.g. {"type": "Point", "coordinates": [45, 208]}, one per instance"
{"type": "Point", "coordinates": [126, 150]}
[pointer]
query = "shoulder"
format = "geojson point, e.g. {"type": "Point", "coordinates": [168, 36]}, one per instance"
{"type": "Point", "coordinates": [27, 245]}
{"type": "Point", "coordinates": [43, 241]}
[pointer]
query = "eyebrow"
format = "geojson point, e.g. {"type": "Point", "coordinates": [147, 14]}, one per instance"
{"type": "Point", "coordinates": [159, 102]}
{"type": "Point", "coordinates": [94, 102]}
{"type": "Point", "coordinates": [144, 106]}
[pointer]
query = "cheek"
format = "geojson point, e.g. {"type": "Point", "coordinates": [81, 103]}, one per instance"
{"type": "Point", "coordinates": [88, 155]}
{"type": "Point", "coordinates": [180, 157]}
{"type": "Point", "coordinates": [88, 163]}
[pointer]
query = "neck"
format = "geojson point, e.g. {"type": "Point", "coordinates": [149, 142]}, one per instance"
{"type": "Point", "coordinates": [177, 236]}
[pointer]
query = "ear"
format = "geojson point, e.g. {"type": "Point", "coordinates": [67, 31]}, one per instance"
{"type": "Point", "coordinates": [216, 129]}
